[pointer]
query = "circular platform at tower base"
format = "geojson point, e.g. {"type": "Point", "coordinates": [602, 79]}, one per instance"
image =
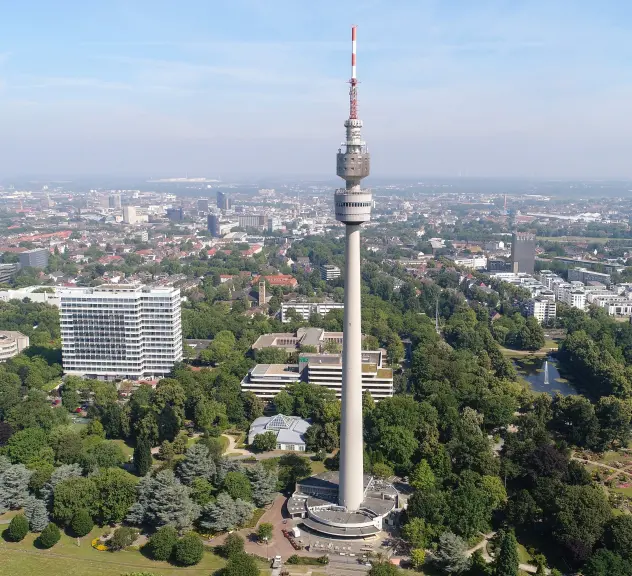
{"type": "Point", "coordinates": [315, 501]}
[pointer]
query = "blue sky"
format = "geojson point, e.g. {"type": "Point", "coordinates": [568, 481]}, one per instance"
{"type": "Point", "coordinates": [483, 88]}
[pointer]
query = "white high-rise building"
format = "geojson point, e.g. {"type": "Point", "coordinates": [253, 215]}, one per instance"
{"type": "Point", "coordinates": [120, 331]}
{"type": "Point", "coordinates": [129, 214]}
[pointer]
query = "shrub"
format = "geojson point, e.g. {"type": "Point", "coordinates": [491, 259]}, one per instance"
{"type": "Point", "coordinates": [122, 538]}
{"type": "Point", "coordinates": [189, 550]}
{"type": "Point", "coordinates": [81, 523]}
{"type": "Point", "coordinates": [49, 536]}
{"type": "Point", "coordinates": [234, 544]}
{"type": "Point", "coordinates": [18, 528]}
{"type": "Point", "coordinates": [241, 565]}
{"type": "Point", "coordinates": [294, 559]}
{"type": "Point", "coordinates": [161, 544]}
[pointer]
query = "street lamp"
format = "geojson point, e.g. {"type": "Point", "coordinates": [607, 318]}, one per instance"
{"type": "Point", "coordinates": [266, 541]}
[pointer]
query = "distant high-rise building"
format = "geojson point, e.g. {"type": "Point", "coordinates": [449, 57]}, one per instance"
{"type": "Point", "coordinates": [114, 201]}
{"type": "Point", "coordinates": [329, 272]}
{"type": "Point", "coordinates": [175, 214]}
{"type": "Point", "coordinates": [120, 331]}
{"type": "Point", "coordinates": [36, 258]}
{"type": "Point", "coordinates": [224, 201]}
{"type": "Point", "coordinates": [274, 224]}
{"type": "Point", "coordinates": [213, 225]}
{"type": "Point", "coordinates": [523, 253]}
{"type": "Point", "coordinates": [129, 214]}
{"type": "Point", "coordinates": [258, 221]}
{"type": "Point", "coordinates": [202, 205]}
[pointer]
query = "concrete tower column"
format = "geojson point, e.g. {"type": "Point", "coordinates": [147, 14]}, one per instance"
{"type": "Point", "coordinates": [351, 443]}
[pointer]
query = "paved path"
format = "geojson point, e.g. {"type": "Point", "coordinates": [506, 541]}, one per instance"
{"type": "Point", "coordinates": [618, 470]}
{"type": "Point", "coordinates": [483, 546]}
{"type": "Point", "coordinates": [231, 447]}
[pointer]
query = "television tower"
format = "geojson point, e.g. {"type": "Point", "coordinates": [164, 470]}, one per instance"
{"type": "Point", "coordinates": [353, 208]}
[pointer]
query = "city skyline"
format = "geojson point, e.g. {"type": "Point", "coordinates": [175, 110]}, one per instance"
{"type": "Point", "coordinates": [158, 90]}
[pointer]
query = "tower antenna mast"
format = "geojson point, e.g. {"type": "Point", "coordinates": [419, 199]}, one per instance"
{"type": "Point", "coordinates": [353, 91]}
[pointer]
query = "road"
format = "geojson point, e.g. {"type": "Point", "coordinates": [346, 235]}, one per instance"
{"type": "Point", "coordinates": [618, 470]}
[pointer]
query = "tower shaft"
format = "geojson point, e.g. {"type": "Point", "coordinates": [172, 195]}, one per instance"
{"type": "Point", "coordinates": [353, 208]}
{"type": "Point", "coordinates": [351, 491]}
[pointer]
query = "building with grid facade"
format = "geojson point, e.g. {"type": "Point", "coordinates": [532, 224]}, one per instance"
{"type": "Point", "coordinates": [120, 331]}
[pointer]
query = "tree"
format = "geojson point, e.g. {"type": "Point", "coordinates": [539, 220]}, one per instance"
{"type": "Point", "coordinates": [103, 455]}
{"type": "Point", "coordinates": [225, 513]}
{"type": "Point", "coordinates": [283, 403]}
{"type": "Point", "coordinates": [162, 543]}
{"type": "Point", "coordinates": [221, 349]}
{"type": "Point", "coordinates": [59, 475]}
{"type": "Point", "coordinates": [451, 555]}
{"type": "Point", "coordinates": [238, 486]}
{"type": "Point", "coordinates": [81, 523]}
{"type": "Point", "coordinates": [418, 557]}
{"type": "Point", "coordinates": [14, 485]}
{"type": "Point", "coordinates": [18, 528]}
{"type": "Point", "coordinates": [506, 562]}
{"type": "Point", "coordinates": [422, 477]}
{"type": "Point", "coordinates": [197, 463]}
{"type": "Point", "coordinates": [417, 533]}
{"type": "Point", "coordinates": [233, 545]}
{"type": "Point", "coordinates": [292, 468]}
{"type": "Point", "coordinates": [72, 495]}
{"type": "Point", "coordinates": [142, 457]}
{"type": "Point", "coordinates": [382, 470]}
{"type": "Point", "coordinates": [201, 491]}
{"type": "Point", "coordinates": [606, 563]}
{"type": "Point", "coordinates": [122, 538]}
{"type": "Point", "coordinates": [618, 535]}
{"type": "Point", "coordinates": [384, 569]}
{"type": "Point", "coordinates": [264, 483]}
{"type": "Point", "coordinates": [29, 445]}
{"type": "Point", "coordinates": [36, 513]}
{"type": "Point", "coordinates": [265, 442]}
{"type": "Point", "coordinates": [49, 536]}
{"type": "Point", "coordinates": [264, 532]}
{"type": "Point", "coordinates": [581, 512]}
{"type": "Point", "coordinates": [241, 565]}
{"type": "Point", "coordinates": [162, 500]}
{"type": "Point", "coordinates": [271, 355]}
{"type": "Point", "coordinates": [189, 550]}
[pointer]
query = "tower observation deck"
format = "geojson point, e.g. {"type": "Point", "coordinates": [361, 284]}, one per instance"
{"type": "Point", "coordinates": [353, 161]}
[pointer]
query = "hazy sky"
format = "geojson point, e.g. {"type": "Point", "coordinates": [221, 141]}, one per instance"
{"type": "Point", "coordinates": [218, 88]}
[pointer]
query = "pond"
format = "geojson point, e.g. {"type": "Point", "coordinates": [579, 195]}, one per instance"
{"type": "Point", "coordinates": [532, 369]}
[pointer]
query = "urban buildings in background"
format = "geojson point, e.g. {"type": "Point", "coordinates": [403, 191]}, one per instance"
{"type": "Point", "coordinates": [175, 214]}
{"type": "Point", "coordinates": [329, 272]}
{"type": "Point", "coordinates": [129, 214]}
{"type": "Point", "coordinates": [523, 253]}
{"type": "Point", "coordinates": [120, 331]}
{"type": "Point", "coordinates": [36, 258]}
{"type": "Point", "coordinates": [543, 309]}
{"type": "Point", "coordinates": [224, 201]}
{"type": "Point", "coordinates": [11, 344]}
{"type": "Point", "coordinates": [305, 309]}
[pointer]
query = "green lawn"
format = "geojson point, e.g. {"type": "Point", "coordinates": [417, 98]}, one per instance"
{"type": "Point", "coordinates": [573, 239]}
{"type": "Point", "coordinates": [625, 491]}
{"type": "Point", "coordinates": [523, 555]}
{"type": "Point", "coordinates": [317, 467]}
{"type": "Point", "coordinates": [71, 560]}
{"type": "Point", "coordinates": [127, 449]}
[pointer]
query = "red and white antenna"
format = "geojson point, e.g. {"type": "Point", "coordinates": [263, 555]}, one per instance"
{"type": "Point", "coordinates": [353, 92]}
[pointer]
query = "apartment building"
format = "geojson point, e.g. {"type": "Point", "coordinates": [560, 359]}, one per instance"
{"type": "Point", "coordinates": [306, 309]}
{"type": "Point", "coordinates": [585, 275]}
{"type": "Point", "coordinates": [543, 309]}
{"type": "Point", "coordinates": [120, 331]}
{"type": "Point", "coordinates": [36, 258]}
